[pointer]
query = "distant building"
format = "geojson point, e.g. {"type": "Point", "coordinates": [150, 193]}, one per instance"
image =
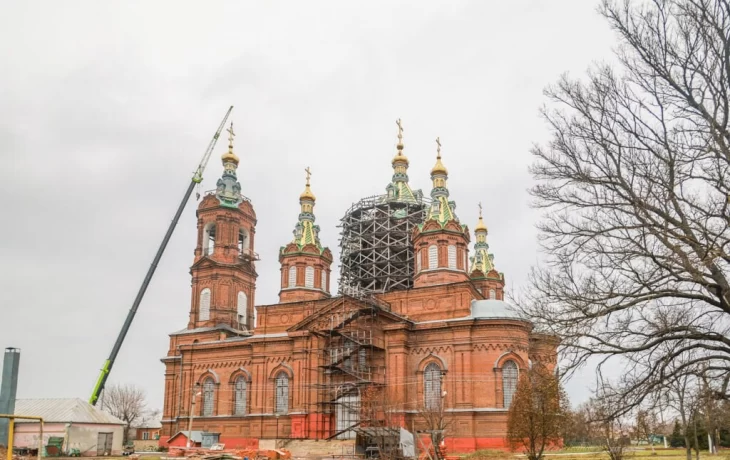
{"type": "Point", "coordinates": [146, 430]}
{"type": "Point", "coordinates": [417, 326]}
{"type": "Point", "coordinates": [81, 425]}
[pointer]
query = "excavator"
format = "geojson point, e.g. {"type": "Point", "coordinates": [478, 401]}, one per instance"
{"type": "Point", "coordinates": [195, 181]}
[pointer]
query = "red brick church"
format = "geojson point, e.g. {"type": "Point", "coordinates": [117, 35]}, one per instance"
{"type": "Point", "coordinates": [415, 321]}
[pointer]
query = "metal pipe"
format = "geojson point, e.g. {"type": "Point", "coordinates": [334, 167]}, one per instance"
{"type": "Point", "coordinates": [40, 443]}
{"type": "Point", "coordinates": [11, 435]}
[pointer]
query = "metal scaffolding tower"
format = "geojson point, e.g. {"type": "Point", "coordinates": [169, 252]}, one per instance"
{"type": "Point", "coordinates": [376, 252]}
{"type": "Point", "coordinates": [351, 359]}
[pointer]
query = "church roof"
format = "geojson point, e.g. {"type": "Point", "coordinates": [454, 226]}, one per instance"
{"type": "Point", "coordinates": [493, 309]}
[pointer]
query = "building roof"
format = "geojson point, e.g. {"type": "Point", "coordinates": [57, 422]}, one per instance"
{"type": "Point", "coordinates": [493, 309]}
{"type": "Point", "coordinates": [71, 410]}
{"type": "Point", "coordinates": [195, 436]}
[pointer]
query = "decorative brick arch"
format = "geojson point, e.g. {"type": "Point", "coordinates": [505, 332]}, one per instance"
{"type": "Point", "coordinates": [240, 372]}
{"type": "Point", "coordinates": [510, 356]}
{"type": "Point", "coordinates": [209, 373]}
{"type": "Point", "coordinates": [432, 358]}
{"type": "Point", "coordinates": [282, 367]}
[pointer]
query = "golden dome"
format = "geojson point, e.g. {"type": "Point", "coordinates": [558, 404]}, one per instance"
{"type": "Point", "coordinates": [400, 158]}
{"type": "Point", "coordinates": [480, 225]}
{"type": "Point", "coordinates": [307, 194]}
{"type": "Point", "coordinates": [229, 156]}
{"type": "Point", "coordinates": [439, 167]}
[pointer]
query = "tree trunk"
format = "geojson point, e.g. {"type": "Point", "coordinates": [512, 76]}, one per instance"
{"type": "Point", "coordinates": [688, 446]}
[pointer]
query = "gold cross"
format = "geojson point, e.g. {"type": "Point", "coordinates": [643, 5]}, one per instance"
{"type": "Point", "coordinates": [231, 134]}
{"type": "Point", "coordinates": [309, 173]}
{"type": "Point", "coordinates": [400, 130]}
{"type": "Point", "coordinates": [480, 209]}
{"type": "Point", "coordinates": [438, 149]}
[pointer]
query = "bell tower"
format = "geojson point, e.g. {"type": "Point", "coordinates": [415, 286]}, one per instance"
{"type": "Point", "coordinates": [305, 263]}
{"type": "Point", "coordinates": [223, 272]}
{"type": "Point", "coordinates": [441, 243]}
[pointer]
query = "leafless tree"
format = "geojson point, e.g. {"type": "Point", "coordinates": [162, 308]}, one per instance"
{"type": "Point", "coordinates": [436, 422]}
{"type": "Point", "coordinates": [635, 185]}
{"type": "Point", "coordinates": [681, 395]}
{"type": "Point", "coordinates": [127, 403]}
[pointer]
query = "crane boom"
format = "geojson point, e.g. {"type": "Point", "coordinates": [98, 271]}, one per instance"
{"type": "Point", "coordinates": [196, 179]}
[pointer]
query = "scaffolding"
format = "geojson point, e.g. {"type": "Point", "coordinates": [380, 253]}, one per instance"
{"type": "Point", "coordinates": [351, 358]}
{"type": "Point", "coordinates": [376, 251]}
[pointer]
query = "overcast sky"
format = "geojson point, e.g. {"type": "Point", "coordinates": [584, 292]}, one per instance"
{"type": "Point", "coordinates": [106, 108]}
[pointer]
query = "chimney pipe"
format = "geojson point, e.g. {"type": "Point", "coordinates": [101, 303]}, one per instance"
{"type": "Point", "coordinates": [8, 389]}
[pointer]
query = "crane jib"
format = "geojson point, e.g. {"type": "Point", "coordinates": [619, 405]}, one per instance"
{"type": "Point", "coordinates": [197, 178]}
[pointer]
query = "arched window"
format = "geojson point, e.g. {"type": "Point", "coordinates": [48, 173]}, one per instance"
{"type": "Point", "coordinates": [419, 262]}
{"type": "Point", "coordinates": [433, 256]}
{"type": "Point", "coordinates": [204, 309]}
{"type": "Point", "coordinates": [282, 393]}
{"type": "Point", "coordinates": [452, 257]}
{"type": "Point", "coordinates": [466, 261]}
{"type": "Point", "coordinates": [243, 244]}
{"type": "Point", "coordinates": [324, 280]}
{"type": "Point", "coordinates": [208, 397]}
{"type": "Point", "coordinates": [239, 402]}
{"type": "Point", "coordinates": [509, 381]}
{"type": "Point", "coordinates": [209, 239]}
{"type": "Point", "coordinates": [292, 276]}
{"type": "Point", "coordinates": [492, 294]}
{"type": "Point", "coordinates": [242, 308]}
{"type": "Point", "coordinates": [309, 277]}
{"type": "Point", "coordinates": [432, 386]}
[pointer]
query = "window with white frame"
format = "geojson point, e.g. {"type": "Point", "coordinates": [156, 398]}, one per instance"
{"type": "Point", "coordinates": [282, 393]}
{"type": "Point", "coordinates": [510, 374]}
{"type": "Point", "coordinates": [292, 277]}
{"type": "Point", "coordinates": [419, 262]}
{"type": "Point", "coordinates": [452, 257]}
{"type": "Point", "coordinates": [239, 403]}
{"type": "Point", "coordinates": [492, 294]}
{"type": "Point", "coordinates": [433, 256]}
{"type": "Point", "coordinates": [204, 308]}
{"type": "Point", "coordinates": [324, 280]}
{"type": "Point", "coordinates": [309, 277]}
{"type": "Point", "coordinates": [242, 308]}
{"type": "Point", "coordinates": [208, 397]}
{"type": "Point", "coordinates": [432, 386]}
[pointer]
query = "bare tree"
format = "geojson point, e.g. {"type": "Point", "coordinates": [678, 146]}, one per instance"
{"type": "Point", "coordinates": [127, 403]}
{"type": "Point", "coordinates": [635, 186]}
{"type": "Point", "coordinates": [538, 413]}
{"type": "Point", "coordinates": [437, 422]}
{"type": "Point", "coordinates": [680, 394]}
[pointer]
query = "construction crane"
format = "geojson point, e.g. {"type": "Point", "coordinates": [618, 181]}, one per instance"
{"type": "Point", "coordinates": [196, 179]}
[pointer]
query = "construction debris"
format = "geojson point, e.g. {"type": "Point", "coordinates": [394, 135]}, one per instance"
{"type": "Point", "coordinates": [217, 452]}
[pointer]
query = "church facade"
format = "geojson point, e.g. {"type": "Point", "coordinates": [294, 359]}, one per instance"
{"type": "Point", "coordinates": [321, 364]}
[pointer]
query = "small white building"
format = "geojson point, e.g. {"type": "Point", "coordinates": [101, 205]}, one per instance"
{"type": "Point", "coordinates": [81, 425]}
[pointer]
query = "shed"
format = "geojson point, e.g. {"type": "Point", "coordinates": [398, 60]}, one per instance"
{"type": "Point", "coordinates": [180, 439]}
{"type": "Point", "coordinates": [81, 425]}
